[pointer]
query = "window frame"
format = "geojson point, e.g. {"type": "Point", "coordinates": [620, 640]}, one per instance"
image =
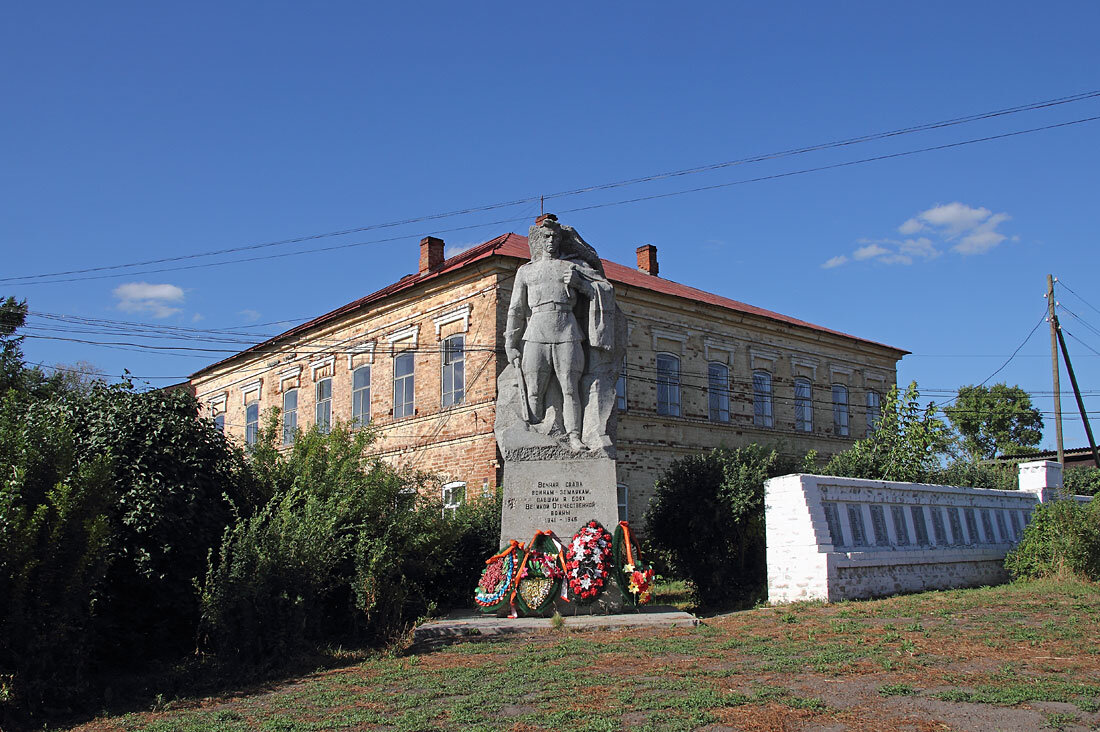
{"type": "Point", "coordinates": [457, 395]}
{"type": "Point", "coordinates": [671, 385]}
{"type": "Point", "coordinates": [763, 403]}
{"type": "Point", "coordinates": [447, 493]}
{"type": "Point", "coordinates": [408, 386]}
{"type": "Point", "coordinates": [360, 398]}
{"type": "Point", "coordinates": [622, 498]}
{"type": "Point", "coordinates": [620, 388]}
{"type": "Point", "coordinates": [842, 415]}
{"type": "Point", "coordinates": [252, 426]}
{"type": "Point", "coordinates": [290, 417]}
{"type": "Point", "coordinates": [722, 392]}
{"type": "Point", "coordinates": [324, 424]}
{"type": "Point", "coordinates": [874, 411]}
{"type": "Point", "coordinates": [803, 405]}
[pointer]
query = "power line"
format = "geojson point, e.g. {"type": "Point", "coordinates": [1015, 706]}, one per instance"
{"type": "Point", "coordinates": [27, 279]}
{"type": "Point", "coordinates": [1063, 284]}
{"type": "Point", "coordinates": [1042, 319]}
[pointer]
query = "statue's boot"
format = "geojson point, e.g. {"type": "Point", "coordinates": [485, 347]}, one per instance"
{"type": "Point", "coordinates": [572, 418]}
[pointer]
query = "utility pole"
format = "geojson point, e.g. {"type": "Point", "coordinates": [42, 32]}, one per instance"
{"type": "Point", "coordinates": [1053, 319]}
{"type": "Point", "coordinates": [1080, 401]}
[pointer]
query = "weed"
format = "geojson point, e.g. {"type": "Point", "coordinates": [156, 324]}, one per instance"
{"type": "Point", "coordinates": [896, 690]}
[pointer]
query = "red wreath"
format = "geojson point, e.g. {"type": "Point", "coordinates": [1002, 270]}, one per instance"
{"type": "Point", "coordinates": [586, 560]}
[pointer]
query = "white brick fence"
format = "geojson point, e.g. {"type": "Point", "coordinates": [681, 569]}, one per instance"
{"type": "Point", "coordinates": [834, 538]}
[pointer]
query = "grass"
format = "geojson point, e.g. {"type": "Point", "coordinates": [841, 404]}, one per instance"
{"type": "Point", "coordinates": [1011, 649]}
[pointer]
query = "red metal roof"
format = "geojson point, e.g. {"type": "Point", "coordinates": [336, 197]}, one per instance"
{"type": "Point", "coordinates": [514, 245]}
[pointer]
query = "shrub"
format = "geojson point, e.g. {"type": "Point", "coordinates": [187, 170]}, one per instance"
{"type": "Point", "coordinates": [1082, 481]}
{"type": "Point", "coordinates": [1062, 537]}
{"type": "Point", "coordinates": [111, 501]}
{"type": "Point", "coordinates": [338, 552]}
{"type": "Point", "coordinates": [707, 519]}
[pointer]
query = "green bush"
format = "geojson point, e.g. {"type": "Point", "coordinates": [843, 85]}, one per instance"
{"type": "Point", "coordinates": [341, 550]}
{"type": "Point", "coordinates": [56, 547]}
{"type": "Point", "coordinates": [1082, 481]}
{"type": "Point", "coordinates": [109, 504]}
{"type": "Point", "coordinates": [1063, 537]}
{"type": "Point", "coordinates": [707, 520]}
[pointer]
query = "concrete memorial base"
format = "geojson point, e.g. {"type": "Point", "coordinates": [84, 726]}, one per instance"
{"type": "Point", "coordinates": [559, 496]}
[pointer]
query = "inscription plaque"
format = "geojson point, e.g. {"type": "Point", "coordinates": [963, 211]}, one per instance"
{"type": "Point", "coordinates": [559, 496]}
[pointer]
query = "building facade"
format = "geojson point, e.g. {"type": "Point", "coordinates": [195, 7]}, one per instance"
{"type": "Point", "coordinates": [419, 361]}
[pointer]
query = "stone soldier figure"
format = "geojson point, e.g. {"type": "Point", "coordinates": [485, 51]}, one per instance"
{"type": "Point", "coordinates": [544, 339]}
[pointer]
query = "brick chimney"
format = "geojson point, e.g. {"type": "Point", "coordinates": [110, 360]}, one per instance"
{"type": "Point", "coordinates": [431, 253]}
{"type": "Point", "coordinates": [647, 259]}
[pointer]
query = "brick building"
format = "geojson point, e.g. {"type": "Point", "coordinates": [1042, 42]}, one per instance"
{"type": "Point", "coordinates": [420, 360]}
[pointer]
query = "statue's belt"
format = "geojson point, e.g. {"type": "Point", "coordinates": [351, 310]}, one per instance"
{"type": "Point", "coordinates": [552, 306]}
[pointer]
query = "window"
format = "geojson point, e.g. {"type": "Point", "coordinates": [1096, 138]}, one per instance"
{"type": "Point", "coordinates": [454, 380]}
{"type": "Point", "coordinates": [360, 396]}
{"type": "Point", "coordinates": [718, 392]}
{"type": "Point", "coordinates": [324, 405]}
{"type": "Point", "coordinates": [803, 406]}
{"type": "Point", "coordinates": [454, 495]}
{"type": "Point", "coordinates": [290, 415]}
{"type": "Point", "coordinates": [219, 423]}
{"type": "Point", "coordinates": [874, 411]}
{"type": "Point", "coordinates": [251, 422]}
{"type": "Point", "coordinates": [840, 410]}
{"type": "Point", "coordinates": [620, 388]}
{"type": "Point", "coordinates": [624, 502]}
{"type": "Point", "coordinates": [403, 385]}
{"type": "Point", "coordinates": [762, 399]}
{"type": "Point", "coordinates": [668, 385]}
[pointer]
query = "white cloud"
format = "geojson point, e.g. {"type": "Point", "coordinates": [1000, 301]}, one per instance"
{"type": "Point", "coordinates": [912, 226]}
{"type": "Point", "coordinates": [965, 229]}
{"type": "Point", "coordinates": [143, 297]}
{"type": "Point", "coordinates": [983, 237]}
{"type": "Point", "coordinates": [250, 316]}
{"type": "Point", "coordinates": [452, 250]}
{"type": "Point", "coordinates": [197, 317]}
{"type": "Point", "coordinates": [955, 218]}
{"type": "Point", "coordinates": [922, 247]}
{"type": "Point", "coordinates": [870, 251]}
{"type": "Point", "coordinates": [835, 262]}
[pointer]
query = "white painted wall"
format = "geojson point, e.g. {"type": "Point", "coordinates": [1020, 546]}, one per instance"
{"type": "Point", "coordinates": [832, 538]}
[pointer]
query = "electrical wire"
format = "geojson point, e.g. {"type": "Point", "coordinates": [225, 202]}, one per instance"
{"type": "Point", "coordinates": [1082, 96]}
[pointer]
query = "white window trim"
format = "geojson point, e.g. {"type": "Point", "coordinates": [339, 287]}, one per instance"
{"type": "Point", "coordinates": [362, 349]}
{"type": "Point", "coordinates": [711, 345]}
{"type": "Point", "coordinates": [320, 364]}
{"type": "Point", "coordinates": [410, 333]}
{"type": "Point", "coordinates": [805, 362]}
{"type": "Point", "coordinates": [450, 487]}
{"type": "Point", "coordinates": [757, 354]}
{"type": "Point", "coordinates": [218, 404]}
{"type": "Point", "coordinates": [462, 313]}
{"type": "Point", "coordinates": [252, 386]}
{"type": "Point", "coordinates": [839, 370]}
{"type": "Point", "coordinates": [669, 335]}
{"type": "Point", "coordinates": [285, 375]}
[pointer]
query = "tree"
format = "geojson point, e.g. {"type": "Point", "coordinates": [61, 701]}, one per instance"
{"type": "Point", "coordinates": [707, 515]}
{"type": "Point", "coordinates": [995, 419]}
{"type": "Point", "coordinates": [907, 445]}
{"type": "Point", "coordinates": [12, 317]}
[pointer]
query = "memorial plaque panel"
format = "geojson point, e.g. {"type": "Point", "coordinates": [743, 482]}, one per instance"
{"type": "Point", "coordinates": [557, 495]}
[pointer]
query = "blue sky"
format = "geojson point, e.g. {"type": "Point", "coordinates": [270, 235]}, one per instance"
{"type": "Point", "coordinates": [138, 131]}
